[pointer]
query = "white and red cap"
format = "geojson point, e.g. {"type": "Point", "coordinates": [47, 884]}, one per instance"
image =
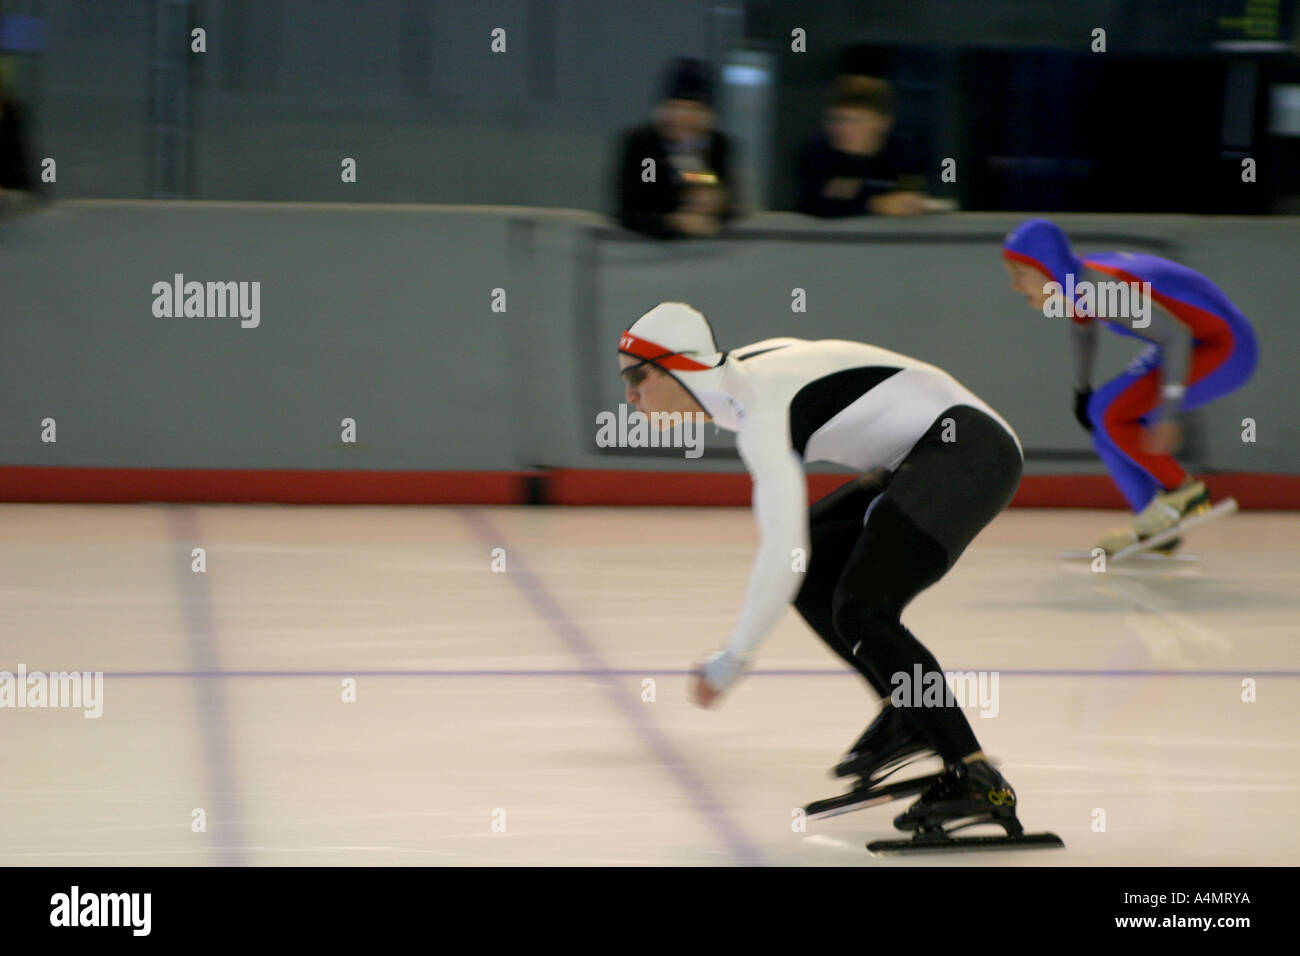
{"type": "Point", "coordinates": [673, 336]}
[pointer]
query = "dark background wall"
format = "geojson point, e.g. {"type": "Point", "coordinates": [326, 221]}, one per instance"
{"type": "Point", "coordinates": [410, 89]}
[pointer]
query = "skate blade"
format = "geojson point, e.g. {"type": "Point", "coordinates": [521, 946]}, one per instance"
{"type": "Point", "coordinates": [1153, 556]}
{"type": "Point", "coordinates": [867, 797]}
{"type": "Point", "coordinates": [1225, 507]}
{"type": "Point", "coordinates": [947, 844]}
{"type": "Point", "coordinates": [1146, 550]}
{"type": "Point", "coordinates": [920, 758]}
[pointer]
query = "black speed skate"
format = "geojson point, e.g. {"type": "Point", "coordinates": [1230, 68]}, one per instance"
{"type": "Point", "coordinates": [973, 792]}
{"type": "Point", "coordinates": [889, 743]}
{"type": "Point", "coordinates": [964, 795]}
{"type": "Point", "coordinates": [869, 795]}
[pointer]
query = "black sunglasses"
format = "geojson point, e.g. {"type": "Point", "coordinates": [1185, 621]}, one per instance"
{"type": "Point", "coordinates": [636, 374]}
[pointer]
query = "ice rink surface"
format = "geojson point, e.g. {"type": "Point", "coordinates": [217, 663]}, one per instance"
{"type": "Point", "coordinates": [504, 716]}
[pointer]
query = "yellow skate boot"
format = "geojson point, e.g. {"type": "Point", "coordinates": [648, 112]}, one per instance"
{"type": "Point", "coordinates": [1165, 510]}
{"type": "Point", "coordinates": [1117, 539]}
{"type": "Point", "coordinates": [1168, 508]}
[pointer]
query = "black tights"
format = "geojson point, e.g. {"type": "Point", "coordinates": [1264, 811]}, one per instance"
{"type": "Point", "coordinates": [861, 577]}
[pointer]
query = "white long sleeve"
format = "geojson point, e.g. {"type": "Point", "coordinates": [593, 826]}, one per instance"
{"type": "Point", "coordinates": [780, 509]}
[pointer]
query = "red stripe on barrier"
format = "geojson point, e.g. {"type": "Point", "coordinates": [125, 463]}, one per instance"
{"type": "Point", "coordinates": [119, 485]}
{"type": "Point", "coordinates": [562, 486]}
{"type": "Point", "coordinates": [572, 486]}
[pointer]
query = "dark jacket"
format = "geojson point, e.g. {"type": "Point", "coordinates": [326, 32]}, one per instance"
{"type": "Point", "coordinates": [819, 163]}
{"type": "Point", "coordinates": [642, 206]}
{"type": "Point", "coordinates": [15, 169]}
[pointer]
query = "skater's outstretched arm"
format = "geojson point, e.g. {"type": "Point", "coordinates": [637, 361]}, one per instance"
{"type": "Point", "coordinates": [780, 507]}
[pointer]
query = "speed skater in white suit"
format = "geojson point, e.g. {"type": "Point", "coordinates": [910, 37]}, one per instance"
{"type": "Point", "coordinates": [936, 465]}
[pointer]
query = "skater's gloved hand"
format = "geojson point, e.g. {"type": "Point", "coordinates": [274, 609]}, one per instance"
{"type": "Point", "coordinates": [1081, 399]}
{"type": "Point", "coordinates": [718, 672]}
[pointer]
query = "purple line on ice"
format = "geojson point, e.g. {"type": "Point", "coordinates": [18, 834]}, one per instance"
{"type": "Point", "coordinates": [214, 726]}
{"type": "Point", "coordinates": [581, 647]}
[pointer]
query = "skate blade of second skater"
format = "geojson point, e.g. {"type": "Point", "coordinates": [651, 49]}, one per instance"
{"type": "Point", "coordinates": [1141, 557]}
{"type": "Point", "coordinates": [1143, 550]}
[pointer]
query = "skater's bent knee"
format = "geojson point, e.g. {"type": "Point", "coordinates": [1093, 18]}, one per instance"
{"type": "Point", "coordinates": [864, 617]}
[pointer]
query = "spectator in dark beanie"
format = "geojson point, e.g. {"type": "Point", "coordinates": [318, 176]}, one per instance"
{"type": "Point", "coordinates": [692, 192]}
